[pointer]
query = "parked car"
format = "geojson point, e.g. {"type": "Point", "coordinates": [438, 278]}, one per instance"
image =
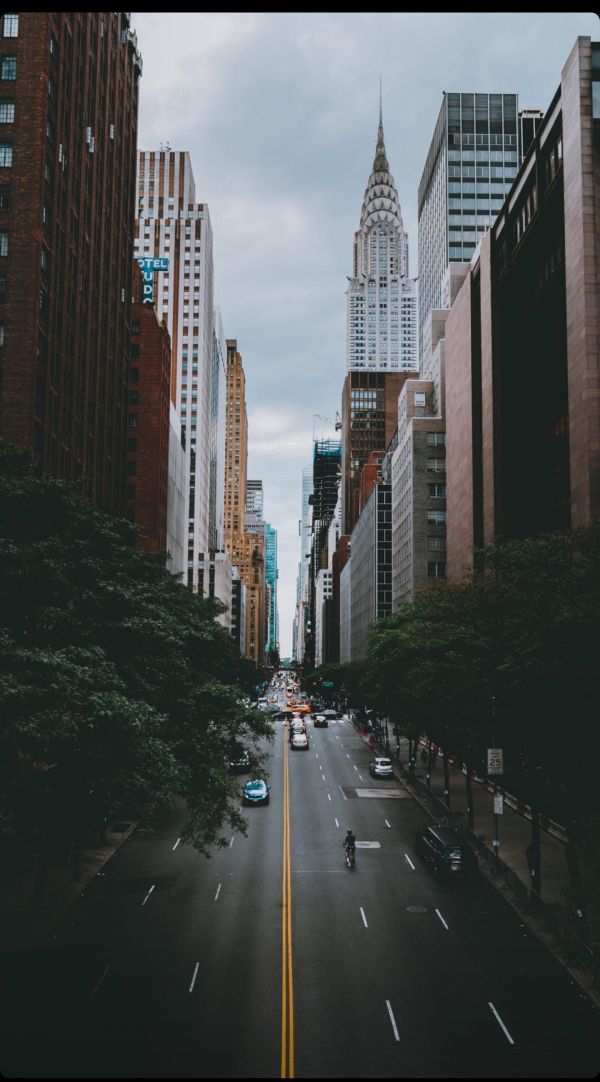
{"type": "Point", "coordinates": [299, 742]}
{"type": "Point", "coordinates": [320, 721]}
{"type": "Point", "coordinates": [332, 714]}
{"type": "Point", "coordinates": [241, 764]}
{"type": "Point", "coordinates": [381, 767]}
{"type": "Point", "coordinates": [446, 852]}
{"type": "Point", "coordinates": [256, 791]}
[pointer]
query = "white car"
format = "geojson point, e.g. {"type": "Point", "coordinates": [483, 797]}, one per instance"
{"type": "Point", "coordinates": [381, 768]}
{"type": "Point", "coordinates": [300, 742]}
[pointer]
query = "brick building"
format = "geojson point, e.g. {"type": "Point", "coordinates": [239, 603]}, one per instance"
{"type": "Point", "coordinates": [68, 129]}
{"type": "Point", "coordinates": [369, 420]}
{"type": "Point", "coordinates": [148, 414]}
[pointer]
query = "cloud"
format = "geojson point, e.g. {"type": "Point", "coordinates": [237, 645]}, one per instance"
{"type": "Point", "coordinates": [279, 113]}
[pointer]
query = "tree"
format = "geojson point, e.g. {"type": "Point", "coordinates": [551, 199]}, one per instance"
{"type": "Point", "coordinates": [118, 689]}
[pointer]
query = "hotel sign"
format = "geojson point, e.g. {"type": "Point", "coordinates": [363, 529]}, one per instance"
{"type": "Point", "coordinates": [148, 268]}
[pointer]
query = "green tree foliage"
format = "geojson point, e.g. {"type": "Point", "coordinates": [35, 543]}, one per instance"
{"type": "Point", "coordinates": [118, 689]}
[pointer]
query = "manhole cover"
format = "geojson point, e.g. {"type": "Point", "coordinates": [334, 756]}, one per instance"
{"type": "Point", "coordinates": [416, 909]}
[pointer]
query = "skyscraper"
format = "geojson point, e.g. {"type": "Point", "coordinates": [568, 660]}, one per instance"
{"type": "Point", "coordinates": [67, 177]}
{"type": "Point", "coordinates": [271, 576]}
{"type": "Point", "coordinates": [172, 225]}
{"type": "Point", "coordinates": [471, 164]}
{"type": "Point", "coordinates": [254, 497]}
{"type": "Point", "coordinates": [245, 549]}
{"type": "Point", "coordinates": [382, 299]}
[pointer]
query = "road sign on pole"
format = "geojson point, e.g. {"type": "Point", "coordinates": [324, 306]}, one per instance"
{"type": "Point", "coordinates": [495, 761]}
{"type": "Point", "coordinates": [498, 804]}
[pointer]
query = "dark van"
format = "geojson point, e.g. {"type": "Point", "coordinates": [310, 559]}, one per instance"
{"type": "Point", "coordinates": [446, 852]}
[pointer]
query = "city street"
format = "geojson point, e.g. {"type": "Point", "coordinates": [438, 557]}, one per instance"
{"type": "Point", "coordinates": [171, 964]}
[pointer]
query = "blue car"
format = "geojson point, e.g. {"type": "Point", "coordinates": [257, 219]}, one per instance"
{"type": "Point", "coordinates": [256, 792]}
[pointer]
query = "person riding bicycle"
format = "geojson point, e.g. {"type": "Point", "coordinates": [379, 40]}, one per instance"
{"type": "Point", "coordinates": [349, 841]}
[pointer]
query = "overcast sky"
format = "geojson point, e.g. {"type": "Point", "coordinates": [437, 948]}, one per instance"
{"type": "Point", "coordinates": [279, 113]}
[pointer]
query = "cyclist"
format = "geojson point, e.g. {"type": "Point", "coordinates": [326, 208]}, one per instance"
{"type": "Point", "coordinates": [349, 841]}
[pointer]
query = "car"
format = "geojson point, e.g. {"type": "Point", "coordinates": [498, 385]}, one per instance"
{"type": "Point", "coordinates": [446, 852]}
{"type": "Point", "coordinates": [332, 714]}
{"type": "Point", "coordinates": [240, 764]}
{"type": "Point", "coordinates": [381, 767]}
{"type": "Point", "coordinates": [320, 721]}
{"type": "Point", "coordinates": [299, 742]}
{"type": "Point", "coordinates": [256, 791]}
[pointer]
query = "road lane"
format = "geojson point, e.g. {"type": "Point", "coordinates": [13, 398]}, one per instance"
{"type": "Point", "coordinates": [394, 974]}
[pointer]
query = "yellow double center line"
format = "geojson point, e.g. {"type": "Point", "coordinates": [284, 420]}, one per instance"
{"type": "Point", "coordinates": [287, 983]}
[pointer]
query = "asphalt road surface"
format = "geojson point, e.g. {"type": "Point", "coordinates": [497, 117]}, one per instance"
{"type": "Point", "coordinates": [273, 959]}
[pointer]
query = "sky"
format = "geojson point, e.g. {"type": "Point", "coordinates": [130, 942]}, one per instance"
{"type": "Point", "coordinates": [279, 113]}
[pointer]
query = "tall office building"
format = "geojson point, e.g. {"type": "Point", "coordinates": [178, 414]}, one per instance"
{"type": "Point", "coordinates": [218, 385]}
{"type": "Point", "coordinates": [172, 225]}
{"type": "Point", "coordinates": [369, 420]}
{"type": "Point", "coordinates": [271, 575]}
{"type": "Point", "coordinates": [522, 340]}
{"type": "Point", "coordinates": [470, 166]}
{"type": "Point", "coordinates": [68, 131]}
{"type": "Point", "coordinates": [381, 298]}
{"type": "Point", "coordinates": [327, 455]}
{"type": "Point", "coordinates": [244, 548]}
{"type": "Point", "coordinates": [304, 530]}
{"type": "Point", "coordinates": [254, 497]}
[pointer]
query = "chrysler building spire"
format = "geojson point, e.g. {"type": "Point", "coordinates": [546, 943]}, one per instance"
{"type": "Point", "coordinates": [381, 323]}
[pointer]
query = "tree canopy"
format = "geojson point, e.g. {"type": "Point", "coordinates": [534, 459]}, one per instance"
{"type": "Point", "coordinates": [119, 691]}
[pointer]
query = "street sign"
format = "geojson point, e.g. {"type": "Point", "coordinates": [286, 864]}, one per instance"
{"type": "Point", "coordinates": [495, 763]}
{"type": "Point", "coordinates": [327, 684]}
{"type": "Point", "coordinates": [498, 804]}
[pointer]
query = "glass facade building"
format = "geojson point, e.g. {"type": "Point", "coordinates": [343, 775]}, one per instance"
{"type": "Point", "coordinates": [471, 165]}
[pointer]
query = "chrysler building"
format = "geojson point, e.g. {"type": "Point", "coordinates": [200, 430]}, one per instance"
{"type": "Point", "coordinates": [382, 299]}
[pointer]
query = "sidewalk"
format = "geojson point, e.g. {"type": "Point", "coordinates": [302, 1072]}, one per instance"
{"type": "Point", "coordinates": [23, 925]}
{"type": "Point", "coordinates": [512, 877]}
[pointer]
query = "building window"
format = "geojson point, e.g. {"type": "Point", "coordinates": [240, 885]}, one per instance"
{"type": "Point", "coordinates": [135, 350]}
{"type": "Point", "coordinates": [436, 492]}
{"type": "Point", "coordinates": [436, 570]}
{"type": "Point", "coordinates": [133, 398]}
{"type": "Point", "coordinates": [132, 420]}
{"type": "Point", "coordinates": [132, 443]}
{"type": "Point", "coordinates": [2, 287]}
{"type": "Point", "coordinates": [135, 326]}
{"type": "Point", "coordinates": [8, 67]}
{"type": "Point", "coordinates": [7, 111]}
{"type": "Point", "coordinates": [11, 26]}
{"type": "Point", "coordinates": [3, 243]}
{"type": "Point", "coordinates": [134, 375]}
{"type": "Point", "coordinates": [6, 155]}
{"type": "Point", "coordinates": [1, 335]}
{"type": "Point", "coordinates": [131, 467]}
{"type": "Point", "coordinates": [131, 492]}
{"type": "Point", "coordinates": [419, 398]}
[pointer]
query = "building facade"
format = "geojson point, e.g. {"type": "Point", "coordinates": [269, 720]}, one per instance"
{"type": "Point", "coordinates": [68, 131]}
{"type": "Point", "coordinates": [522, 340]}
{"type": "Point", "coordinates": [148, 421]}
{"type": "Point", "coordinates": [271, 575]}
{"type": "Point", "coordinates": [171, 225]}
{"type": "Point", "coordinates": [381, 299]}
{"type": "Point", "coordinates": [370, 568]}
{"type": "Point", "coordinates": [245, 549]}
{"type": "Point", "coordinates": [471, 164]}
{"type": "Point", "coordinates": [369, 420]}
